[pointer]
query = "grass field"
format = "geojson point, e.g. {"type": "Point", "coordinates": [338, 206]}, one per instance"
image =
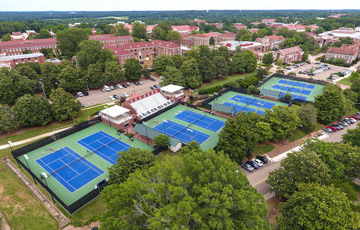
{"type": "Point", "coordinates": [260, 150]}
{"type": "Point", "coordinates": [345, 81]}
{"type": "Point", "coordinates": [225, 80]}
{"type": "Point", "coordinates": [35, 131]}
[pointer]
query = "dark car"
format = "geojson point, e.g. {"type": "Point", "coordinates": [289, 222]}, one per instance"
{"type": "Point", "coordinates": [152, 88]}
{"type": "Point", "coordinates": [136, 83]}
{"type": "Point", "coordinates": [156, 86]}
{"type": "Point", "coordinates": [262, 158]}
{"type": "Point", "coordinates": [153, 79]}
{"type": "Point", "coordinates": [76, 96]}
{"type": "Point", "coordinates": [253, 164]}
{"type": "Point", "coordinates": [116, 96]}
{"type": "Point", "coordinates": [125, 85]}
{"type": "Point", "coordinates": [247, 167]}
{"type": "Point", "coordinates": [86, 93]}
{"type": "Point", "coordinates": [327, 130]}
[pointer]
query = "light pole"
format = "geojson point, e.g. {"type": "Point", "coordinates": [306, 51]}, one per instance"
{"type": "Point", "coordinates": [164, 121]}
{"type": "Point", "coordinates": [87, 85]}
{"type": "Point", "coordinates": [189, 130]}
{"type": "Point", "coordinates": [147, 138]}
{"type": "Point", "coordinates": [9, 142]}
{"type": "Point", "coordinates": [107, 109]}
{"type": "Point", "coordinates": [26, 160]}
{"type": "Point", "coordinates": [42, 86]}
{"type": "Point", "coordinates": [44, 175]}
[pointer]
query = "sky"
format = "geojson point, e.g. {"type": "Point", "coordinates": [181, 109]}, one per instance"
{"type": "Point", "coordinates": [126, 5]}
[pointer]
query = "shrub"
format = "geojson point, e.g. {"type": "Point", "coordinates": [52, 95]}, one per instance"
{"type": "Point", "coordinates": [162, 140]}
{"type": "Point", "coordinates": [253, 90]}
{"type": "Point", "coordinates": [79, 121]}
{"type": "Point", "coordinates": [231, 83]}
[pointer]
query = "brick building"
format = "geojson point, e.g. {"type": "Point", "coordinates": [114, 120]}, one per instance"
{"type": "Point", "coordinates": [239, 26]}
{"type": "Point", "coordinates": [203, 39]}
{"type": "Point", "coordinates": [289, 55]}
{"type": "Point", "coordinates": [271, 42]}
{"type": "Point", "coordinates": [23, 58]}
{"type": "Point", "coordinates": [226, 37]}
{"type": "Point", "coordinates": [111, 40]}
{"type": "Point", "coordinates": [185, 29]}
{"type": "Point", "coordinates": [347, 52]}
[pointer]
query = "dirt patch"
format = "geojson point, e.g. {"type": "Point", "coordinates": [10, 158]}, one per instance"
{"type": "Point", "coordinates": [283, 145]}
{"type": "Point", "coordinates": [1, 189]}
{"type": "Point", "coordinates": [273, 206]}
{"type": "Point", "coordinates": [88, 227]}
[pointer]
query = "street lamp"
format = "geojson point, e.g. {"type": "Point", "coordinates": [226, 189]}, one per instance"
{"type": "Point", "coordinates": [9, 142]}
{"type": "Point", "coordinates": [147, 138]}
{"type": "Point", "coordinates": [107, 109]}
{"type": "Point", "coordinates": [42, 86]}
{"type": "Point", "coordinates": [44, 176]}
{"type": "Point", "coordinates": [26, 160]}
{"type": "Point", "coordinates": [164, 121]}
{"type": "Point", "coordinates": [189, 130]}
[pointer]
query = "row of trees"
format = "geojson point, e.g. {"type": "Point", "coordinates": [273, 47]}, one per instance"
{"type": "Point", "coordinates": [315, 182]}
{"type": "Point", "coordinates": [31, 110]}
{"type": "Point", "coordinates": [203, 65]}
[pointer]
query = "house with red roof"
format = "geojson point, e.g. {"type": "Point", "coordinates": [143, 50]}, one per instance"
{"type": "Point", "coordinates": [197, 21]}
{"type": "Point", "coordinates": [185, 29]}
{"type": "Point", "coordinates": [230, 36]}
{"type": "Point", "coordinates": [239, 26]}
{"type": "Point", "coordinates": [268, 21]}
{"type": "Point", "coordinates": [289, 55]}
{"type": "Point", "coordinates": [271, 42]}
{"type": "Point", "coordinates": [301, 28]}
{"type": "Point", "coordinates": [14, 60]}
{"type": "Point", "coordinates": [347, 52]}
{"type": "Point", "coordinates": [204, 39]}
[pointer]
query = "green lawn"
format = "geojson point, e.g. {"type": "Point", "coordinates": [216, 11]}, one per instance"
{"type": "Point", "coordinates": [35, 131]}
{"type": "Point", "coordinates": [259, 150]}
{"type": "Point", "coordinates": [345, 81]}
{"type": "Point", "coordinates": [225, 80]}
{"type": "Point", "coordinates": [298, 133]}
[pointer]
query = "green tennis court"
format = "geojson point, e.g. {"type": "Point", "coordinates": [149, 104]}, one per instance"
{"type": "Point", "coordinates": [298, 89]}
{"type": "Point", "coordinates": [173, 116]}
{"type": "Point", "coordinates": [70, 142]}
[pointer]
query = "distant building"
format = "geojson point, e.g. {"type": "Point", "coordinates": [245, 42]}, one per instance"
{"type": "Point", "coordinates": [239, 26]}
{"type": "Point", "coordinates": [268, 21]}
{"type": "Point", "coordinates": [330, 37]}
{"type": "Point", "coordinates": [289, 55]}
{"type": "Point", "coordinates": [197, 21]}
{"type": "Point", "coordinates": [226, 37]}
{"type": "Point", "coordinates": [271, 42]}
{"type": "Point", "coordinates": [185, 29]}
{"type": "Point", "coordinates": [244, 45]}
{"type": "Point", "coordinates": [217, 25]}
{"type": "Point", "coordinates": [117, 116]}
{"type": "Point", "coordinates": [347, 52]}
{"type": "Point", "coordinates": [203, 39]}
{"type": "Point", "coordinates": [14, 60]}
{"type": "Point", "coordinates": [21, 36]}
{"type": "Point", "coordinates": [301, 28]}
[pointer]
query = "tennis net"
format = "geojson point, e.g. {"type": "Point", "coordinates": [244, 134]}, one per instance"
{"type": "Point", "coordinates": [69, 164]}
{"type": "Point", "coordinates": [103, 146]}
{"type": "Point", "coordinates": [193, 122]}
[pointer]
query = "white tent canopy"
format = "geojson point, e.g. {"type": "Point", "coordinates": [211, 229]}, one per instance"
{"type": "Point", "coordinates": [171, 88]}
{"type": "Point", "coordinates": [115, 111]}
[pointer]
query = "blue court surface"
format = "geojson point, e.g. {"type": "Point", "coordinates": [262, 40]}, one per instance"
{"type": "Point", "coordinates": [303, 98]}
{"type": "Point", "coordinates": [104, 145]}
{"type": "Point", "coordinates": [297, 84]}
{"type": "Point", "coordinates": [69, 168]}
{"type": "Point", "coordinates": [253, 102]}
{"type": "Point", "coordinates": [181, 132]}
{"type": "Point", "coordinates": [243, 108]}
{"type": "Point", "coordinates": [200, 120]}
{"type": "Point", "coordinates": [293, 90]}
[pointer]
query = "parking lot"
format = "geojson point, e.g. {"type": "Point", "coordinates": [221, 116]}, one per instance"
{"type": "Point", "coordinates": [96, 96]}
{"type": "Point", "coordinates": [320, 76]}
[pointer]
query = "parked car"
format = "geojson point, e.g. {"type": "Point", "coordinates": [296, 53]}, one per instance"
{"type": "Point", "coordinates": [247, 167]}
{"type": "Point", "coordinates": [327, 130]}
{"type": "Point", "coordinates": [153, 79]}
{"type": "Point", "coordinates": [152, 88]}
{"type": "Point", "coordinates": [136, 83]}
{"type": "Point", "coordinates": [262, 158]}
{"type": "Point", "coordinates": [345, 124]}
{"type": "Point", "coordinates": [118, 86]}
{"type": "Point", "coordinates": [125, 94]}
{"type": "Point", "coordinates": [257, 161]}
{"type": "Point", "coordinates": [334, 129]}
{"type": "Point", "coordinates": [80, 94]}
{"type": "Point", "coordinates": [116, 96]}
{"type": "Point", "coordinates": [140, 83]}
{"type": "Point", "coordinates": [253, 164]}
{"type": "Point", "coordinates": [355, 117]}
{"type": "Point", "coordinates": [76, 96]}
{"type": "Point", "coordinates": [107, 88]}
{"type": "Point", "coordinates": [156, 86]}
{"type": "Point", "coordinates": [112, 87]}
{"type": "Point", "coordinates": [86, 93]}
{"type": "Point", "coordinates": [111, 98]}
{"type": "Point", "coordinates": [128, 83]}
{"type": "Point", "coordinates": [82, 105]}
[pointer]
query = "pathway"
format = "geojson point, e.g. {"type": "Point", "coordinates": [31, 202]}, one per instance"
{"type": "Point", "coordinates": [53, 210]}
{"type": "Point", "coordinates": [3, 223]}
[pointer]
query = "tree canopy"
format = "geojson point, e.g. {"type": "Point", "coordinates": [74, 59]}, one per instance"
{"type": "Point", "coordinates": [64, 106]}
{"type": "Point", "coordinates": [68, 40]}
{"type": "Point", "coordinates": [133, 69]}
{"type": "Point", "coordinates": [8, 122]}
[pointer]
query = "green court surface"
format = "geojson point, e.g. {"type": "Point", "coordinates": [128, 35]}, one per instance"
{"type": "Point", "coordinates": [169, 115]}
{"type": "Point", "coordinates": [226, 97]}
{"type": "Point", "coordinates": [314, 92]}
{"type": "Point", "coordinates": [71, 141]}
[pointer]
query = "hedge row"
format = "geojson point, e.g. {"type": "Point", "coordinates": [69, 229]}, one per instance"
{"type": "Point", "coordinates": [242, 83]}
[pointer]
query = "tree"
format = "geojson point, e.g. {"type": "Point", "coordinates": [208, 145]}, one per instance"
{"type": "Point", "coordinates": [161, 140]}
{"type": "Point", "coordinates": [279, 62]}
{"type": "Point", "coordinates": [6, 38]}
{"type": "Point", "coordinates": [238, 139]}
{"type": "Point", "coordinates": [289, 42]}
{"type": "Point", "coordinates": [113, 72]}
{"type": "Point", "coordinates": [331, 105]}
{"type": "Point", "coordinates": [178, 60]}
{"type": "Point", "coordinates": [128, 162]}
{"type": "Point", "coordinates": [64, 106]}
{"type": "Point", "coordinates": [268, 59]}
{"type": "Point", "coordinates": [198, 190]}
{"type": "Point", "coordinates": [120, 30]}
{"type": "Point", "coordinates": [171, 75]}
{"type": "Point", "coordinates": [69, 77]}
{"type": "Point", "coordinates": [146, 72]}
{"type": "Point", "coordinates": [241, 33]}
{"type": "Point", "coordinates": [27, 71]}
{"type": "Point", "coordinates": [207, 69]}
{"type": "Point", "coordinates": [7, 119]}
{"type": "Point", "coordinates": [283, 121]}
{"type": "Point", "coordinates": [212, 41]}
{"type": "Point", "coordinates": [261, 73]}
{"type": "Point", "coordinates": [193, 54]}
{"type": "Point", "coordinates": [316, 206]}
{"type": "Point", "coordinates": [158, 33]}
{"type": "Point", "coordinates": [48, 53]}
{"type": "Point", "coordinates": [288, 96]}
{"type": "Point", "coordinates": [162, 61]}
{"type": "Point", "coordinates": [95, 76]}
{"type": "Point", "coordinates": [307, 115]}
{"type": "Point", "coordinates": [91, 52]}
{"type": "Point", "coordinates": [139, 30]}
{"type": "Point", "coordinates": [353, 136]}
{"type": "Point", "coordinates": [32, 110]}
{"type": "Point", "coordinates": [43, 34]}
{"type": "Point", "coordinates": [246, 36]}
{"type": "Point", "coordinates": [264, 131]}
{"type": "Point", "coordinates": [68, 40]}
{"type": "Point", "coordinates": [250, 61]}
{"type": "Point", "coordinates": [297, 167]}
{"type": "Point", "coordinates": [204, 51]}
{"type": "Point", "coordinates": [254, 36]}
{"type": "Point", "coordinates": [237, 64]}
{"type": "Point", "coordinates": [190, 71]}
{"type": "Point", "coordinates": [221, 67]}
{"type": "Point", "coordinates": [173, 35]}
{"type": "Point", "coordinates": [133, 69]}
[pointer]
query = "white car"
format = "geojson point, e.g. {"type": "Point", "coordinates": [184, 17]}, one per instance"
{"type": "Point", "coordinates": [257, 161]}
{"type": "Point", "coordinates": [112, 87]}
{"type": "Point", "coordinates": [140, 82]}
{"type": "Point", "coordinates": [126, 95]}
{"type": "Point", "coordinates": [119, 86]}
{"type": "Point", "coordinates": [112, 98]}
{"type": "Point", "coordinates": [107, 88]}
{"type": "Point", "coordinates": [80, 94]}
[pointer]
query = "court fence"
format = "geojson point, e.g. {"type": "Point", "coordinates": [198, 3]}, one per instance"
{"type": "Point", "coordinates": [72, 208]}
{"type": "Point", "coordinates": [206, 103]}
{"type": "Point", "coordinates": [159, 112]}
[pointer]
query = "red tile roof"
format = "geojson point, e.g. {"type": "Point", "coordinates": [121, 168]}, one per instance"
{"type": "Point", "coordinates": [275, 38]}
{"type": "Point", "coordinates": [16, 33]}
{"type": "Point", "coordinates": [291, 50]}
{"type": "Point", "coordinates": [343, 51]}
{"type": "Point", "coordinates": [104, 37]}
{"type": "Point", "coordinates": [165, 44]}
{"type": "Point", "coordinates": [228, 35]}
{"type": "Point", "coordinates": [268, 20]}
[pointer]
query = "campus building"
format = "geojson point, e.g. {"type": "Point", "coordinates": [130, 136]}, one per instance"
{"type": "Point", "coordinates": [330, 37]}
{"type": "Point", "coordinates": [271, 42]}
{"type": "Point", "coordinates": [117, 117]}
{"type": "Point", "coordinates": [347, 52]}
{"type": "Point", "coordinates": [14, 60]}
{"type": "Point", "coordinates": [289, 55]}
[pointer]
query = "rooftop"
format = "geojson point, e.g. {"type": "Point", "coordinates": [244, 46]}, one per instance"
{"type": "Point", "coordinates": [115, 111]}
{"type": "Point", "coordinates": [171, 88]}
{"type": "Point", "coordinates": [9, 58]}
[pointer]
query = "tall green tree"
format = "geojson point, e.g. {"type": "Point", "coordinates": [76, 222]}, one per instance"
{"type": "Point", "coordinates": [207, 69]}
{"type": "Point", "coordinates": [204, 51]}
{"type": "Point", "coordinates": [91, 52]}
{"type": "Point", "coordinates": [171, 75]}
{"type": "Point", "coordinates": [353, 136]}
{"type": "Point", "coordinates": [69, 77]}
{"type": "Point", "coordinates": [139, 30]}
{"type": "Point", "coordinates": [238, 139]}
{"type": "Point", "coordinates": [190, 71]}
{"type": "Point", "coordinates": [307, 115]}
{"type": "Point", "coordinates": [120, 30]}
{"type": "Point", "coordinates": [193, 54]}
{"type": "Point", "coordinates": [297, 167]}
{"type": "Point", "coordinates": [43, 34]}
{"type": "Point", "coordinates": [173, 35]}
{"type": "Point", "coordinates": [133, 69]}
{"type": "Point", "coordinates": [163, 61]}
{"type": "Point", "coordinates": [221, 67]}
{"type": "Point", "coordinates": [68, 40]}
{"type": "Point", "coordinates": [7, 119]}
{"type": "Point", "coordinates": [268, 59]}
{"type": "Point", "coordinates": [113, 72]}
{"type": "Point", "coordinates": [178, 60]}
{"type": "Point", "coordinates": [198, 190]}
{"type": "Point", "coordinates": [64, 106]}
{"type": "Point", "coordinates": [94, 76]}
{"type": "Point", "coordinates": [316, 206]}
{"type": "Point", "coordinates": [128, 162]}
{"type": "Point", "coordinates": [32, 110]}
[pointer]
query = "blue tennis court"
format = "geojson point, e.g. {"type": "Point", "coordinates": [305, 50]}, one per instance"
{"type": "Point", "coordinates": [297, 84]}
{"type": "Point", "coordinates": [181, 132]}
{"type": "Point", "coordinates": [243, 108]}
{"type": "Point", "coordinates": [104, 145]}
{"type": "Point", "coordinates": [293, 90]}
{"type": "Point", "coordinates": [294, 96]}
{"type": "Point", "coordinates": [253, 102]}
{"type": "Point", "coordinates": [69, 168]}
{"type": "Point", "coordinates": [200, 120]}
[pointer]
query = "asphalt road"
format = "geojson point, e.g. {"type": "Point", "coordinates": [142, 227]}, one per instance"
{"type": "Point", "coordinates": [96, 96]}
{"type": "Point", "coordinates": [257, 178]}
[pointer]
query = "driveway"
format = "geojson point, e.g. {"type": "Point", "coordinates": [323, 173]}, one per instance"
{"type": "Point", "coordinates": [96, 96]}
